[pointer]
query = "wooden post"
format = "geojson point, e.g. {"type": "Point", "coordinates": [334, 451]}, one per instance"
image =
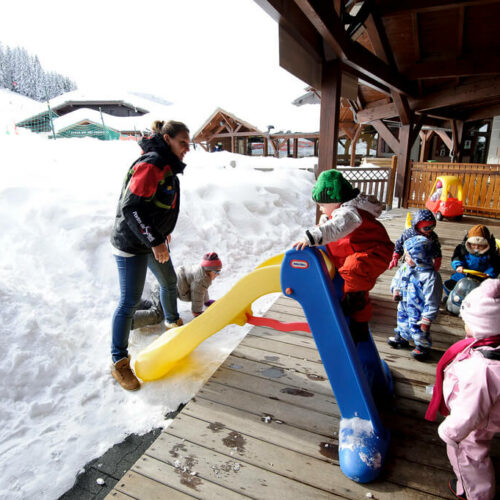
{"type": "Point", "coordinates": [316, 142]}
{"type": "Point", "coordinates": [390, 185]}
{"type": "Point", "coordinates": [426, 136]}
{"type": "Point", "coordinates": [353, 145]}
{"type": "Point", "coordinates": [295, 148]}
{"type": "Point", "coordinates": [331, 80]}
{"type": "Point", "coordinates": [403, 158]}
{"type": "Point", "coordinates": [233, 143]}
{"type": "Point", "coordinates": [266, 147]}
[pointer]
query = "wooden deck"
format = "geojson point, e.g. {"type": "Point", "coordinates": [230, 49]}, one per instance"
{"type": "Point", "coordinates": [265, 425]}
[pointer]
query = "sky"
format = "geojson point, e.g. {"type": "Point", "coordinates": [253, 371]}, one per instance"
{"type": "Point", "coordinates": [220, 51]}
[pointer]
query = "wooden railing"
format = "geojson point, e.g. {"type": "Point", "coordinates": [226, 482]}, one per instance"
{"type": "Point", "coordinates": [481, 185]}
{"type": "Point", "coordinates": [378, 181]}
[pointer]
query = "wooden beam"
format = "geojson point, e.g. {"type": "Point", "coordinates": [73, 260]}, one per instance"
{"type": "Point", "coordinates": [353, 145]}
{"type": "Point", "coordinates": [460, 31]}
{"type": "Point", "coordinates": [470, 92]}
{"type": "Point", "coordinates": [377, 113]}
{"type": "Point", "coordinates": [387, 135]}
{"type": "Point", "coordinates": [329, 26]}
{"type": "Point", "coordinates": [329, 115]}
{"type": "Point", "coordinates": [426, 143]}
{"type": "Point", "coordinates": [415, 30]}
{"type": "Point", "coordinates": [482, 113]}
{"type": "Point", "coordinates": [404, 111]}
{"type": "Point", "coordinates": [485, 64]}
{"type": "Point", "coordinates": [402, 173]}
{"type": "Point", "coordinates": [396, 7]}
{"type": "Point", "coordinates": [445, 138]}
{"type": "Point", "coordinates": [290, 18]}
{"type": "Point", "coordinates": [457, 132]}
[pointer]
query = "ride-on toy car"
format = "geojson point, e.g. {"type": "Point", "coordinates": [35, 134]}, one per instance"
{"type": "Point", "coordinates": [445, 199]}
{"type": "Point", "coordinates": [463, 287]}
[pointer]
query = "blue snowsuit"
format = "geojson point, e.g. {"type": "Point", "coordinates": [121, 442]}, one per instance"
{"type": "Point", "coordinates": [421, 289]}
{"type": "Point", "coordinates": [487, 263]}
{"type": "Point", "coordinates": [418, 216]}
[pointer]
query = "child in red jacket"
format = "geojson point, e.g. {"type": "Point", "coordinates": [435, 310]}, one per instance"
{"type": "Point", "coordinates": [356, 242]}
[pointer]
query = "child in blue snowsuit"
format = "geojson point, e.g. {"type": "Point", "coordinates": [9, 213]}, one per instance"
{"type": "Point", "coordinates": [423, 223]}
{"type": "Point", "coordinates": [418, 288]}
{"type": "Point", "coordinates": [478, 252]}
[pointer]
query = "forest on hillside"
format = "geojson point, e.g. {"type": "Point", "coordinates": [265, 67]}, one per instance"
{"type": "Point", "coordinates": [23, 73]}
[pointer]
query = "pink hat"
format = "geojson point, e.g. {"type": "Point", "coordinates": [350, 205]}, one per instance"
{"type": "Point", "coordinates": [480, 310]}
{"type": "Point", "coordinates": [211, 262]}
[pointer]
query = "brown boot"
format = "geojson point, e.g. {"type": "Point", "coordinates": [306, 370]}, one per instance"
{"type": "Point", "coordinates": [122, 372]}
{"type": "Point", "coordinates": [174, 324]}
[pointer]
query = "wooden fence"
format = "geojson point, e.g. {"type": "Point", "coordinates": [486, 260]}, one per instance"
{"type": "Point", "coordinates": [481, 185]}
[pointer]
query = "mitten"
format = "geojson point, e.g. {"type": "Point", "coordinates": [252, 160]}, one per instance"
{"type": "Point", "coordinates": [396, 296]}
{"type": "Point", "coordinates": [394, 261]}
{"type": "Point", "coordinates": [437, 263]}
{"type": "Point", "coordinates": [425, 324]}
{"type": "Point", "coordinates": [209, 303]}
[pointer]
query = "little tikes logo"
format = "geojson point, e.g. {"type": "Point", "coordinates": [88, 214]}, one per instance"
{"type": "Point", "coordinates": [299, 264]}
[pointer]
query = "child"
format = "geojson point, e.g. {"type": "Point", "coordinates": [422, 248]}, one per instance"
{"type": "Point", "coordinates": [467, 392]}
{"type": "Point", "coordinates": [437, 194]}
{"type": "Point", "coordinates": [192, 286]}
{"type": "Point", "coordinates": [478, 252]}
{"type": "Point", "coordinates": [423, 222]}
{"type": "Point", "coordinates": [356, 242]}
{"type": "Point", "coordinates": [418, 288]}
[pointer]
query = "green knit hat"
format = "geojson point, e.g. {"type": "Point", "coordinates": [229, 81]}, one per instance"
{"type": "Point", "coordinates": [332, 187]}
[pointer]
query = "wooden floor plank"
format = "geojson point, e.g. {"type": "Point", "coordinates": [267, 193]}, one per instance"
{"type": "Point", "coordinates": [293, 465]}
{"type": "Point", "coordinates": [139, 486]}
{"type": "Point", "coordinates": [266, 424]}
{"type": "Point", "coordinates": [227, 470]}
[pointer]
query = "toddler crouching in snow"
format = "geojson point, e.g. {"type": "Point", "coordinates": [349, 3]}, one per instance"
{"type": "Point", "coordinates": [192, 286]}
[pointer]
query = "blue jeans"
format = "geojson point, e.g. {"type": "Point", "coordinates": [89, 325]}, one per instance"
{"type": "Point", "coordinates": [132, 276]}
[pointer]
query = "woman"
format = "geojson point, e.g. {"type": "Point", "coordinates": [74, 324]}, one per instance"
{"type": "Point", "coordinates": [146, 216]}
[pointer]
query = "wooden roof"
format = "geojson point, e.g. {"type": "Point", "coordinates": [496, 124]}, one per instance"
{"type": "Point", "coordinates": [224, 122]}
{"type": "Point", "coordinates": [442, 56]}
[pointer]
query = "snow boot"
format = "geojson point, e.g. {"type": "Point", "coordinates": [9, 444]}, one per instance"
{"type": "Point", "coordinates": [122, 372]}
{"type": "Point", "coordinates": [420, 353]}
{"type": "Point", "coordinates": [396, 342]}
{"type": "Point", "coordinates": [453, 488]}
{"type": "Point", "coordinates": [174, 324]}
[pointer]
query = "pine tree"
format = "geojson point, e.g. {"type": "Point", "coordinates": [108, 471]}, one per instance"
{"type": "Point", "coordinates": [24, 74]}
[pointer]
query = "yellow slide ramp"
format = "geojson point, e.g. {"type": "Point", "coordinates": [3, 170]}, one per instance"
{"type": "Point", "coordinates": [175, 344]}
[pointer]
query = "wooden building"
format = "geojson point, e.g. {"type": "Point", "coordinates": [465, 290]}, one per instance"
{"type": "Point", "coordinates": [436, 62]}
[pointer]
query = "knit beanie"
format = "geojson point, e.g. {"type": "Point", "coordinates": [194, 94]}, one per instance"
{"type": "Point", "coordinates": [478, 235]}
{"type": "Point", "coordinates": [480, 310]}
{"type": "Point", "coordinates": [332, 187]}
{"type": "Point", "coordinates": [211, 262]}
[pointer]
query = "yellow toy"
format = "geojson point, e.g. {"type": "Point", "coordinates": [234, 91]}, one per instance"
{"type": "Point", "coordinates": [161, 356]}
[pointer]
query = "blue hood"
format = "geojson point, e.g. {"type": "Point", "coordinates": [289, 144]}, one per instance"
{"type": "Point", "coordinates": [421, 215]}
{"type": "Point", "coordinates": [419, 248]}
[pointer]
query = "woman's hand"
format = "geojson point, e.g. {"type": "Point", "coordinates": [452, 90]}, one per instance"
{"type": "Point", "coordinates": [161, 253]}
{"type": "Point", "coordinates": [460, 269]}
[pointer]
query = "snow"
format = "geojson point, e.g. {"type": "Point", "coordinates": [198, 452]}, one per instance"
{"type": "Point", "coordinates": [59, 406]}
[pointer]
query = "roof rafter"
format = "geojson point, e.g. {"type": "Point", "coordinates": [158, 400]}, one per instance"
{"type": "Point", "coordinates": [329, 26]}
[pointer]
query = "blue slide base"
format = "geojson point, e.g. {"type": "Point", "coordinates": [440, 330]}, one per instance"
{"type": "Point", "coordinates": [361, 452]}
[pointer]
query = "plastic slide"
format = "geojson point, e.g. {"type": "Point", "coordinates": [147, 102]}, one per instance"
{"type": "Point", "coordinates": [175, 344]}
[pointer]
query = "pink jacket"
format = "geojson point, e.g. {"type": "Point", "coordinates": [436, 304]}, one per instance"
{"type": "Point", "coordinates": [471, 390]}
